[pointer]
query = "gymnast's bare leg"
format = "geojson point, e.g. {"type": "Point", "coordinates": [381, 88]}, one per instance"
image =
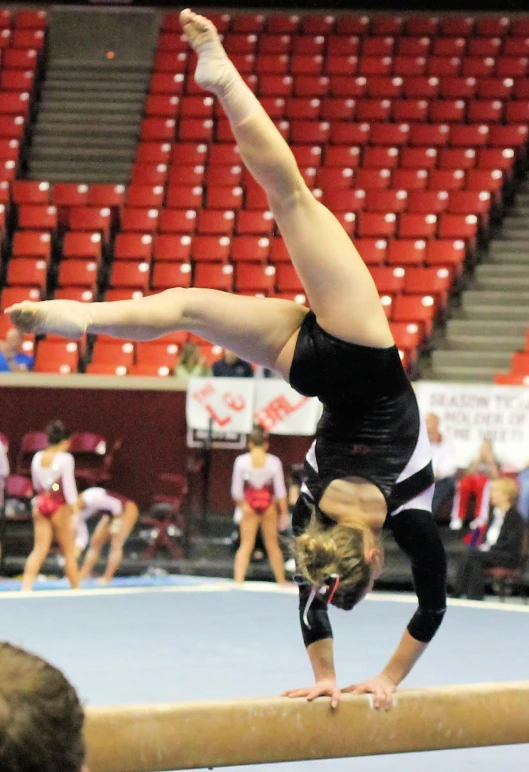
{"type": "Point", "coordinates": [339, 287]}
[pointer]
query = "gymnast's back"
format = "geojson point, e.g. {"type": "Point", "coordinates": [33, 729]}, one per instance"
{"type": "Point", "coordinates": [370, 426]}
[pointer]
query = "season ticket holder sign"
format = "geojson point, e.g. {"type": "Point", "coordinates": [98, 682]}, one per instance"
{"type": "Point", "coordinates": [235, 405]}
{"type": "Point", "coordinates": [470, 413]}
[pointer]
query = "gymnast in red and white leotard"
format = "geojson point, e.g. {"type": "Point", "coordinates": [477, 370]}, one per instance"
{"type": "Point", "coordinates": [119, 516]}
{"type": "Point", "coordinates": [258, 489]}
{"type": "Point", "coordinates": [55, 503]}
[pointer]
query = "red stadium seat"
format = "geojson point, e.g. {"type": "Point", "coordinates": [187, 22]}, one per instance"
{"type": "Point", "coordinates": [456, 26]}
{"type": "Point", "coordinates": [430, 135]}
{"type": "Point", "coordinates": [495, 88]}
{"type": "Point", "coordinates": [32, 244]}
{"type": "Point", "coordinates": [166, 83]}
{"type": "Point", "coordinates": [303, 64]}
{"type": "Point", "coordinates": [214, 276]}
{"type": "Point", "coordinates": [389, 134]}
{"type": "Point", "coordinates": [149, 174]}
{"type": "Point", "coordinates": [344, 66]}
{"type": "Point", "coordinates": [177, 221]}
{"type": "Point", "coordinates": [38, 217]}
{"type": "Point", "coordinates": [428, 281]}
{"type": "Point", "coordinates": [172, 248]}
{"type": "Point", "coordinates": [183, 197]}
{"type": "Point", "coordinates": [224, 198]}
{"type": "Point", "coordinates": [153, 153]}
{"type": "Point", "coordinates": [102, 368]}
{"type": "Point", "coordinates": [215, 222]}
{"type": "Point", "coordinates": [469, 136]}
{"type": "Point", "coordinates": [282, 23]}
{"type": "Point", "coordinates": [311, 85]}
{"type": "Point", "coordinates": [80, 294]}
{"type": "Point", "coordinates": [9, 149]}
{"type": "Point", "coordinates": [516, 46]}
{"type": "Point", "coordinates": [406, 335]}
{"type": "Point", "coordinates": [415, 308]}
{"type": "Point", "coordinates": [409, 179]}
{"type": "Point", "coordinates": [150, 371]}
{"type": "Point", "coordinates": [133, 246]}
{"type": "Point", "coordinates": [447, 110]}
{"type": "Point", "coordinates": [129, 274]}
{"type": "Point", "coordinates": [458, 226]}
{"type": "Point", "coordinates": [419, 157]}
{"type": "Point", "coordinates": [520, 363]}
{"type": "Point", "coordinates": [380, 157]}
{"type": "Point", "coordinates": [446, 179]}
{"type": "Point", "coordinates": [250, 277]}
{"type": "Point", "coordinates": [27, 271]}
{"type": "Point", "coordinates": [445, 252]}
{"type": "Point", "coordinates": [30, 19]}
{"type": "Point", "coordinates": [158, 130]}
{"type": "Point", "coordinates": [276, 85]}
{"type": "Point", "coordinates": [342, 156]}
{"type": "Point", "coordinates": [406, 252]}
{"type": "Point", "coordinates": [146, 196]}
{"type": "Point", "coordinates": [106, 195]}
{"type": "Point", "coordinates": [457, 158]}
{"type": "Point", "coordinates": [344, 201]}
{"type": "Point", "coordinates": [29, 192]}
{"type": "Point", "coordinates": [157, 353]}
{"type": "Point", "coordinates": [508, 136]}
{"type": "Point", "coordinates": [352, 25]}
{"type": "Point", "coordinates": [372, 178]}
{"type": "Point", "coordinates": [517, 112]}
{"type": "Point", "coordinates": [254, 223]}
{"type": "Point", "coordinates": [421, 25]}
{"type": "Point", "coordinates": [79, 244]}
{"type": "Point", "coordinates": [224, 154]}
{"type": "Point", "coordinates": [489, 26]}
{"type": "Point", "coordinates": [20, 58]}
{"type": "Point", "coordinates": [427, 201]}
{"type": "Point", "coordinates": [308, 132]}
{"type": "Point", "coordinates": [12, 295]}
{"type": "Point", "coordinates": [308, 44]}
{"type": "Point", "coordinates": [78, 273]}
{"type": "Point", "coordinates": [90, 218]}
{"type": "Point", "coordinates": [275, 44]}
{"type": "Point", "coordinates": [224, 176]}
{"type": "Point", "coordinates": [417, 226]}
{"type": "Point", "coordinates": [167, 275]}
{"type": "Point", "coordinates": [56, 357]}
{"type": "Point", "coordinates": [334, 177]}
{"type": "Point", "coordinates": [372, 251]}
{"type": "Point", "coordinates": [478, 67]}
{"type": "Point", "coordinates": [28, 38]}
{"type": "Point", "coordinates": [316, 24]}
{"type": "Point", "coordinates": [458, 88]}
{"type": "Point", "coordinates": [410, 110]}
{"type": "Point", "coordinates": [420, 87]}
{"type": "Point", "coordinates": [287, 280]}
{"type": "Point", "coordinates": [65, 194]}
{"type": "Point", "coordinates": [386, 200]}
{"type": "Point", "coordinates": [470, 202]}
{"type": "Point", "coordinates": [388, 280]}
{"type": "Point", "coordinates": [444, 66]}
{"type": "Point", "coordinates": [134, 219]}
{"type": "Point", "coordinates": [484, 46]}
{"type": "Point", "coordinates": [512, 67]}
{"type": "Point", "coordinates": [240, 44]}
{"type": "Point", "coordinates": [250, 249]}
{"type": "Point", "coordinates": [373, 225]}
{"type": "Point", "coordinates": [482, 179]}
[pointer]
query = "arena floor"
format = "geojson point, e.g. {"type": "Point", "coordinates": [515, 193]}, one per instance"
{"type": "Point", "coordinates": [184, 638]}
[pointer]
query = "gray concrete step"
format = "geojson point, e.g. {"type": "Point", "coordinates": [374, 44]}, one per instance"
{"type": "Point", "coordinates": [88, 176]}
{"type": "Point", "coordinates": [87, 117]}
{"type": "Point", "coordinates": [507, 313]}
{"type": "Point", "coordinates": [515, 232]}
{"type": "Point", "coordinates": [492, 328]}
{"type": "Point", "coordinates": [471, 358]}
{"type": "Point", "coordinates": [100, 102]}
{"type": "Point", "coordinates": [84, 154]}
{"type": "Point", "coordinates": [472, 298]}
{"type": "Point", "coordinates": [83, 85]}
{"type": "Point", "coordinates": [469, 342]}
{"type": "Point", "coordinates": [111, 131]}
{"type": "Point", "coordinates": [50, 143]}
{"type": "Point", "coordinates": [464, 374]}
{"type": "Point", "coordinates": [491, 270]}
{"type": "Point", "coordinates": [504, 283]}
{"type": "Point", "coordinates": [508, 245]}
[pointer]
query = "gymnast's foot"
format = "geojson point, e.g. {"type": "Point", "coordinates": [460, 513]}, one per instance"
{"type": "Point", "coordinates": [67, 318]}
{"type": "Point", "coordinates": [214, 71]}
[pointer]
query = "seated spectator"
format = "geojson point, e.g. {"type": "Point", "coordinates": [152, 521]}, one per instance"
{"type": "Point", "coordinates": [523, 498]}
{"type": "Point", "coordinates": [41, 717]}
{"type": "Point", "coordinates": [191, 364]}
{"type": "Point", "coordinates": [444, 466]}
{"type": "Point", "coordinates": [502, 545]}
{"type": "Point", "coordinates": [12, 357]}
{"type": "Point", "coordinates": [230, 366]}
{"type": "Point", "coordinates": [476, 481]}
{"type": "Point", "coordinates": [258, 489]}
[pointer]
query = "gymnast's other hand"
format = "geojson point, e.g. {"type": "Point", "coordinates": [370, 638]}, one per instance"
{"type": "Point", "coordinates": [59, 317]}
{"type": "Point", "coordinates": [327, 687]}
{"type": "Point", "coordinates": [381, 686]}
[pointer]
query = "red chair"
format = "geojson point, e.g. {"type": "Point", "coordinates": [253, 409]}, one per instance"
{"type": "Point", "coordinates": [375, 65]}
{"type": "Point", "coordinates": [271, 64]}
{"type": "Point", "coordinates": [517, 112]}
{"type": "Point", "coordinates": [495, 88]}
{"type": "Point", "coordinates": [342, 156]}
{"type": "Point", "coordinates": [149, 174]}
{"type": "Point", "coordinates": [167, 275]}
{"type": "Point", "coordinates": [520, 363]}
{"type": "Point", "coordinates": [387, 25]}
{"type": "Point", "coordinates": [157, 353]}
{"type": "Point", "coordinates": [405, 334]}
{"type": "Point", "coordinates": [484, 46]}
{"type": "Point", "coordinates": [101, 368]}
{"type": "Point", "coordinates": [172, 248]}
{"type": "Point", "coordinates": [373, 225]}
{"type": "Point", "coordinates": [37, 217]}
{"type": "Point", "coordinates": [211, 249]}
{"type": "Point", "coordinates": [93, 461]}
{"type": "Point", "coordinates": [420, 25]}
{"type": "Point", "coordinates": [78, 244]}
{"type": "Point", "coordinates": [133, 246]}
{"type": "Point", "coordinates": [80, 294]}
{"type": "Point", "coordinates": [129, 274]}
{"type": "Point", "coordinates": [304, 64]}
{"type": "Point", "coordinates": [489, 26]}
{"type": "Point", "coordinates": [153, 153]}
{"type": "Point", "coordinates": [12, 127]}
{"type": "Point", "coordinates": [420, 87]}
{"type": "Point", "coordinates": [254, 278]}
{"type": "Point", "coordinates": [287, 280]}
{"type": "Point", "coordinates": [372, 178]}
{"type": "Point", "coordinates": [417, 226]}
{"type": "Point", "coordinates": [406, 252]}
{"type": "Point", "coordinates": [444, 66]}
{"type": "Point", "coordinates": [308, 44]}
{"type": "Point", "coordinates": [316, 24]}
{"type": "Point", "coordinates": [445, 252]}
{"type": "Point", "coordinates": [32, 244]}
{"type": "Point", "coordinates": [275, 44]}
{"type": "Point", "coordinates": [56, 357]}
{"type": "Point", "coordinates": [30, 20]}
{"type": "Point", "coordinates": [458, 226]}
{"type": "Point", "coordinates": [410, 110]}
{"type": "Point", "coordinates": [508, 136]}
{"type": "Point", "coordinates": [224, 198]}
{"type": "Point", "coordinates": [257, 223]}
{"type": "Point", "coordinates": [378, 46]}
{"type": "Point", "coordinates": [427, 201]}
{"type": "Point", "coordinates": [278, 251]}
{"type": "Point", "coordinates": [344, 201]}
{"type": "Point", "coordinates": [28, 38]}
{"type": "Point", "coordinates": [516, 46]}
{"type": "Point", "coordinates": [337, 109]}
{"type": "Point", "coordinates": [414, 46]}
{"type": "Point", "coordinates": [469, 202]}
{"type": "Point", "coordinates": [65, 194]}
{"type": "Point", "coordinates": [380, 157]}
{"type": "Point", "coordinates": [482, 179]}
{"type": "Point", "coordinates": [496, 158]}
{"type": "Point", "coordinates": [214, 276]}
{"type": "Point", "coordinates": [90, 218]}
{"type": "Point", "coordinates": [447, 110]}
{"type": "Point", "coordinates": [177, 221]}
{"type": "Point", "coordinates": [469, 136]}
{"type": "Point", "coordinates": [333, 177]}
{"type": "Point", "coordinates": [9, 150]}
{"type": "Point", "coordinates": [223, 154]}
{"type": "Point", "coordinates": [385, 200]}
{"type": "Point", "coordinates": [372, 251]}
{"type": "Point", "coordinates": [78, 273]}
{"type": "Point", "coordinates": [457, 26]}
{"type": "Point", "coordinates": [29, 192]}
{"type": "Point", "coordinates": [352, 25]}
{"type": "Point", "coordinates": [150, 371]}
{"type": "Point", "coordinates": [311, 85]}
{"type": "Point", "coordinates": [512, 67]}
{"type": "Point", "coordinates": [457, 158]}
{"type": "Point", "coordinates": [428, 281]}
{"type": "Point", "coordinates": [308, 132]}
{"type": "Point", "coordinates": [135, 219]}
{"type": "Point", "coordinates": [122, 293]}
{"type": "Point", "coordinates": [276, 85]}
{"type": "Point", "coordinates": [429, 135]}
{"type": "Point", "coordinates": [27, 271]}
{"type": "Point", "coordinates": [419, 157]}
{"type": "Point", "coordinates": [409, 179]}
{"type": "Point", "coordinates": [106, 195]}
{"type": "Point", "coordinates": [415, 308]}
{"type": "Point", "coordinates": [214, 222]}
{"type": "Point", "coordinates": [250, 249]}
{"type": "Point", "coordinates": [184, 197]}
{"type": "Point", "coordinates": [146, 196]}
{"type": "Point", "coordinates": [167, 83]}
{"type": "Point", "coordinates": [171, 42]}
{"type": "Point", "coordinates": [189, 154]}
{"type": "Point", "coordinates": [388, 280]}
{"type": "Point", "coordinates": [478, 67]}
{"type": "Point", "coordinates": [12, 295]}
{"type": "Point", "coordinates": [224, 176]}
{"type": "Point", "coordinates": [446, 179]}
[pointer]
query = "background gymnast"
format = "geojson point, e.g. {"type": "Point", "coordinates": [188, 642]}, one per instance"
{"type": "Point", "coordinates": [54, 506]}
{"type": "Point", "coordinates": [371, 462]}
{"type": "Point", "coordinates": [118, 518]}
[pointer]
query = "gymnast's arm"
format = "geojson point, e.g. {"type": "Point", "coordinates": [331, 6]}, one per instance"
{"type": "Point", "coordinates": [416, 534]}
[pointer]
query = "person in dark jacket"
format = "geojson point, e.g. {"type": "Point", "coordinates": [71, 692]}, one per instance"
{"type": "Point", "coordinates": [232, 366]}
{"type": "Point", "coordinates": [502, 545]}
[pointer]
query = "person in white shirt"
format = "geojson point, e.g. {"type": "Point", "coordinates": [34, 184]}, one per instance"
{"type": "Point", "coordinates": [444, 465]}
{"type": "Point", "coordinates": [54, 506]}
{"type": "Point", "coordinates": [118, 518]}
{"type": "Point", "coordinates": [258, 489]}
{"type": "Point", "coordinates": [502, 544]}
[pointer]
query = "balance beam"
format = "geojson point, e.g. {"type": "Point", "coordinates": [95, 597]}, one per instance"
{"type": "Point", "coordinates": [159, 737]}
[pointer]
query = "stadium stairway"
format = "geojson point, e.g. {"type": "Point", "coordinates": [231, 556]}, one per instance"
{"type": "Point", "coordinates": [93, 94]}
{"type": "Point", "coordinates": [491, 323]}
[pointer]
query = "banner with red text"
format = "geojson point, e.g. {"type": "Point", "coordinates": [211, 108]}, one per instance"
{"type": "Point", "coordinates": [468, 414]}
{"type": "Point", "coordinates": [237, 404]}
{"type": "Point", "coordinates": [281, 410]}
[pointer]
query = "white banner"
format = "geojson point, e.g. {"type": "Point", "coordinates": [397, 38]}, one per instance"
{"type": "Point", "coordinates": [468, 414]}
{"type": "Point", "coordinates": [225, 403]}
{"type": "Point", "coordinates": [279, 409]}
{"type": "Point", "coordinates": [237, 404]}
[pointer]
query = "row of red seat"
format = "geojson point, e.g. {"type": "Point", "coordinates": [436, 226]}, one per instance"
{"type": "Point", "coordinates": [23, 19]}
{"type": "Point", "coordinates": [519, 372]}
{"type": "Point", "coordinates": [362, 24]}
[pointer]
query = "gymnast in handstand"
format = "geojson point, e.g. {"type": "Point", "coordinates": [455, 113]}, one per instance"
{"type": "Point", "coordinates": [370, 464]}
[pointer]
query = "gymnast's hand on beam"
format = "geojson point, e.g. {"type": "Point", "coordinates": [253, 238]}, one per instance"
{"type": "Point", "coordinates": [327, 687]}
{"type": "Point", "coordinates": [381, 686]}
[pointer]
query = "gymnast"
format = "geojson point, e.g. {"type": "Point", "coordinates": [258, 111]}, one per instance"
{"type": "Point", "coordinates": [119, 516]}
{"type": "Point", "coordinates": [370, 464]}
{"type": "Point", "coordinates": [54, 506]}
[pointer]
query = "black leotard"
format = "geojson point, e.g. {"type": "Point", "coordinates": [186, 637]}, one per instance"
{"type": "Point", "coordinates": [370, 428]}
